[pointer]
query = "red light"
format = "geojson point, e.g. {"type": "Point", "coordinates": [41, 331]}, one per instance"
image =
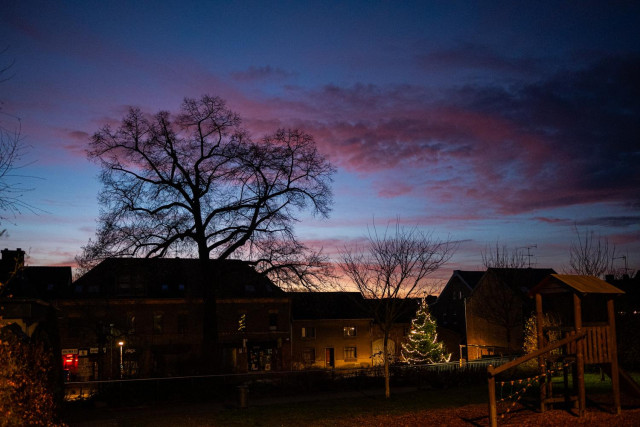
{"type": "Point", "coordinates": [70, 361]}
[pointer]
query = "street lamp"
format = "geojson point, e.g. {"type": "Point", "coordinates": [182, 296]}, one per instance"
{"type": "Point", "coordinates": [121, 344]}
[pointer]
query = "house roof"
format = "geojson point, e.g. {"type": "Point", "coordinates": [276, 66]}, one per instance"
{"type": "Point", "coordinates": [574, 283]}
{"type": "Point", "coordinates": [469, 278]}
{"type": "Point", "coordinates": [43, 283]}
{"type": "Point", "coordinates": [328, 305]}
{"type": "Point", "coordinates": [519, 279]}
{"type": "Point", "coordinates": [172, 278]}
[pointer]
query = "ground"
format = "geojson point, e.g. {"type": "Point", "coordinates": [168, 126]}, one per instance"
{"type": "Point", "coordinates": [281, 413]}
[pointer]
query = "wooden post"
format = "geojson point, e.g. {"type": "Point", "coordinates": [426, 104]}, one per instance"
{"type": "Point", "coordinates": [493, 411]}
{"type": "Point", "coordinates": [577, 318]}
{"type": "Point", "coordinates": [613, 355]}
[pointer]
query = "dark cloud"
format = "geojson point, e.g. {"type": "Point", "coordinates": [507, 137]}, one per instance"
{"type": "Point", "coordinates": [261, 74]}
{"type": "Point", "coordinates": [472, 57]}
{"type": "Point", "coordinates": [566, 140]}
{"type": "Point", "coordinates": [611, 221]}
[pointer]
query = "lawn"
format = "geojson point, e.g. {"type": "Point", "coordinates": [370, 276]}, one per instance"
{"type": "Point", "coordinates": [335, 408]}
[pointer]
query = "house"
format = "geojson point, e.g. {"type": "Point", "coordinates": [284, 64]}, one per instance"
{"type": "Point", "coordinates": [483, 313]}
{"type": "Point", "coordinates": [449, 309]}
{"type": "Point", "coordinates": [134, 317]}
{"type": "Point", "coordinates": [25, 295]}
{"type": "Point", "coordinates": [330, 330]}
{"type": "Point", "coordinates": [497, 309]}
{"type": "Point", "coordinates": [25, 307]}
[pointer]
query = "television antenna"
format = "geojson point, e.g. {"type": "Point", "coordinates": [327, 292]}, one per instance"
{"type": "Point", "coordinates": [529, 254]}
{"type": "Point", "coordinates": [624, 257]}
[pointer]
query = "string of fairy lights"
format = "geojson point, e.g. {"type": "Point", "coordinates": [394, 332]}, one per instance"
{"type": "Point", "coordinates": [528, 383]}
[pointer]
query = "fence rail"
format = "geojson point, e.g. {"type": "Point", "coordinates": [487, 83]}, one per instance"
{"type": "Point", "coordinates": [200, 384]}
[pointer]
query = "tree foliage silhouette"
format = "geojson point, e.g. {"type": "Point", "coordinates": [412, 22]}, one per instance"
{"type": "Point", "coordinates": [195, 184]}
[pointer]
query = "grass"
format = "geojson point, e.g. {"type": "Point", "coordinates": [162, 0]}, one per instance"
{"type": "Point", "coordinates": [317, 413]}
{"type": "Point", "coordinates": [326, 412]}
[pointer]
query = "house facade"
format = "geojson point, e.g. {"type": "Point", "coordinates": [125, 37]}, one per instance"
{"type": "Point", "coordinates": [330, 330]}
{"type": "Point", "coordinates": [144, 317]}
{"type": "Point", "coordinates": [450, 308]}
{"type": "Point", "coordinates": [483, 313]}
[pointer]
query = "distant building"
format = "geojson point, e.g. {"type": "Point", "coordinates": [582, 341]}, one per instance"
{"type": "Point", "coordinates": [330, 330]}
{"type": "Point", "coordinates": [486, 311]}
{"type": "Point", "coordinates": [152, 311]}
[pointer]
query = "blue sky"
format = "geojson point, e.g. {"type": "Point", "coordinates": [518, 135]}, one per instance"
{"type": "Point", "coordinates": [483, 121]}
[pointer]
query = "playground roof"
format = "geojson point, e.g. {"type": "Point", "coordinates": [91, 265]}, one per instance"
{"type": "Point", "coordinates": [574, 283]}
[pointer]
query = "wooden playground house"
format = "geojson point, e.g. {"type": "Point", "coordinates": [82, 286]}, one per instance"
{"type": "Point", "coordinates": [584, 306]}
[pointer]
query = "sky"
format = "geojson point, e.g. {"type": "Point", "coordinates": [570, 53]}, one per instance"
{"type": "Point", "coordinates": [512, 122]}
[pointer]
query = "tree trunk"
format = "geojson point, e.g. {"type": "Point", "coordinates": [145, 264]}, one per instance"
{"type": "Point", "coordinates": [387, 388]}
{"type": "Point", "coordinates": [211, 352]}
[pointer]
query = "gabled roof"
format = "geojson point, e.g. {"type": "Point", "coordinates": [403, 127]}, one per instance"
{"type": "Point", "coordinates": [520, 280]}
{"type": "Point", "coordinates": [172, 278]}
{"type": "Point", "coordinates": [469, 278]}
{"type": "Point", "coordinates": [43, 283]}
{"type": "Point", "coordinates": [328, 305]}
{"type": "Point", "coordinates": [574, 283]}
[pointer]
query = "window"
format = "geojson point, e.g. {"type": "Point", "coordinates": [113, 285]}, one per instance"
{"type": "Point", "coordinates": [124, 285]}
{"type": "Point", "coordinates": [308, 355]}
{"type": "Point", "coordinates": [131, 321]}
{"type": "Point", "coordinates": [273, 320]}
{"type": "Point", "coordinates": [350, 353]}
{"type": "Point", "coordinates": [183, 323]}
{"type": "Point", "coordinates": [157, 323]}
{"type": "Point", "coordinates": [308, 332]}
{"type": "Point", "coordinates": [349, 331]}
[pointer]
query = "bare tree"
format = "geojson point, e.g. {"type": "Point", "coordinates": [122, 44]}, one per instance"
{"type": "Point", "coordinates": [500, 300]}
{"type": "Point", "coordinates": [12, 151]}
{"type": "Point", "coordinates": [196, 184]}
{"type": "Point", "coordinates": [590, 254]}
{"type": "Point", "coordinates": [391, 268]}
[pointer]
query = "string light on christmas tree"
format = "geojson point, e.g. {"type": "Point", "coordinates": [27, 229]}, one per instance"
{"type": "Point", "coordinates": [422, 345]}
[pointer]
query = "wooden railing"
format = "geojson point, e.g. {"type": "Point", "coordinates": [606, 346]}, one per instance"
{"type": "Point", "coordinates": [596, 347]}
{"type": "Point", "coordinates": [576, 339]}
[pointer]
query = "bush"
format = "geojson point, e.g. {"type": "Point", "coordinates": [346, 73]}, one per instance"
{"type": "Point", "coordinates": [26, 396]}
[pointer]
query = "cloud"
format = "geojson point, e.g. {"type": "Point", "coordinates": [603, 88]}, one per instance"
{"type": "Point", "coordinates": [566, 140]}
{"type": "Point", "coordinates": [472, 57]}
{"type": "Point", "coordinates": [261, 73]}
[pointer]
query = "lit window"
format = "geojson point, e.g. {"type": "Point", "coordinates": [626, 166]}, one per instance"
{"type": "Point", "coordinates": [350, 353]}
{"type": "Point", "coordinates": [349, 331]}
{"type": "Point", "coordinates": [308, 332]}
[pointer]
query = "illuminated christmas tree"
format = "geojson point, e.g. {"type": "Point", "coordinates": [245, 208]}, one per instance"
{"type": "Point", "coordinates": [422, 345]}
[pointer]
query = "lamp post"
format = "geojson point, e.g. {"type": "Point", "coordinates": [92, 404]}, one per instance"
{"type": "Point", "coordinates": [121, 344]}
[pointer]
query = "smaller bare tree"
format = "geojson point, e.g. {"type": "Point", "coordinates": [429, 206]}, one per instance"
{"type": "Point", "coordinates": [500, 302]}
{"type": "Point", "coordinates": [389, 269]}
{"type": "Point", "coordinates": [590, 254]}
